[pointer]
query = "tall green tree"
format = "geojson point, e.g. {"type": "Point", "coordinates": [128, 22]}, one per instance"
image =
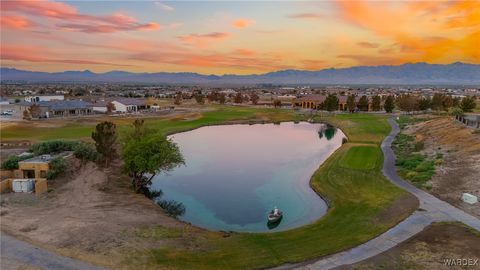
{"type": "Point", "coordinates": [376, 103]}
{"type": "Point", "coordinates": [331, 103]}
{"type": "Point", "coordinates": [468, 104]}
{"type": "Point", "coordinates": [139, 130]}
{"type": "Point", "coordinates": [105, 137]}
{"type": "Point", "coordinates": [437, 101]}
{"type": "Point", "coordinates": [407, 103]}
{"type": "Point", "coordinates": [238, 98]}
{"type": "Point", "coordinates": [351, 103]}
{"type": "Point", "coordinates": [389, 104]}
{"type": "Point", "coordinates": [146, 157]}
{"type": "Point", "coordinates": [424, 103]}
{"type": "Point", "coordinates": [363, 103]}
{"type": "Point", "coordinates": [222, 98]}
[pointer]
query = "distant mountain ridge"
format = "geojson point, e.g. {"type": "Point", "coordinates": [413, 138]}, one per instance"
{"type": "Point", "coordinates": [408, 74]}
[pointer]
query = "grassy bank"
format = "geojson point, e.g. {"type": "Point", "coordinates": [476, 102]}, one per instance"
{"type": "Point", "coordinates": [362, 200]}
{"type": "Point", "coordinates": [412, 164]}
{"type": "Point", "coordinates": [359, 194]}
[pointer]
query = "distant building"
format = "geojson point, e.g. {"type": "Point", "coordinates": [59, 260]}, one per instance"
{"type": "Point", "coordinates": [125, 105]}
{"type": "Point", "coordinates": [38, 98]}
{"type": "Point", "coordinates": [314, 101]}
{"type": "Point", "coordinates": [57, 108]}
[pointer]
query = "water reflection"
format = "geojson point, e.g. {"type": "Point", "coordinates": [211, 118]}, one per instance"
{"type": "Point", "coordinates": [234, 174]}
{"type": "Point", "coordinates": [327, 131]}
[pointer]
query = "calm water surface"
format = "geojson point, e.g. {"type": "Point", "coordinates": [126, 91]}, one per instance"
{"type": "Point", "coordinates": [234, 175]}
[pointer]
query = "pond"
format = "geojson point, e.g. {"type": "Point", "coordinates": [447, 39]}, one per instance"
{"type": "Point", "coordinates": [235, 174]}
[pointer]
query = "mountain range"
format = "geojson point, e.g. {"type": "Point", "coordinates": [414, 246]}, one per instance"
{"type": "Point", "coordinates": [407, 74]}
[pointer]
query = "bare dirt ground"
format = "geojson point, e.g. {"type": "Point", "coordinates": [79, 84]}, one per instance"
{"type": "Point", "coordinates": [428, 250]}
{"type": "Point", "coordinates": [87, 214]}
{"type": "Point", "coordinates": [460, 170]}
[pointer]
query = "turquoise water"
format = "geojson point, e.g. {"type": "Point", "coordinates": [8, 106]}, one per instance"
{"type": "Point", "coordinates": [235, 174]}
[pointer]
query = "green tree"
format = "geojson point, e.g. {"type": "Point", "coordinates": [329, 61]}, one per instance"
{"type": "Point", "coordinates": [34, 110]}
{"type": "Point", "coordinates": [178, 99]}
{"type": "Point", "coordinates": [331, 103]}
{"type": "Point", "coordinates": [238, 98]}
{"type": "Point", "coordinates": [222, 97]}
{"type": "Point", "coordinates": [277, 103]}
{"type": "Point", "coordinates": [389, 104]}
{"type": "Point", "coordinates": [448, 102]}
{"type": "Point", "coordinates": [148, 156]}
{"type": "Point", "coordinates": [407, 103]}
{"type": "Point", "coordinates": [456, 111]}
{"type": "Point", "coordinates": [424, 103]}
{"type": "Point", "coordinates": [139, 130]}
{"type": "Point", "coordinates": [468, 104]}
{"type": "Point", "coordinates": [105, 137]}
{"type": "Point", "coordinates": [351, 103]}
{"type": "Point", "coordinates": [363, 103]}
{"type": "Point", "coordinates": [110, 107]}
{"type": "Point", "coordinates": [376, 103]}
{"type": "Point", "coordinates": [254, 98]}
{"type": "Point", "coordinates": [199, 98]}
{"type": "Point", "coordinates": [437, 101]}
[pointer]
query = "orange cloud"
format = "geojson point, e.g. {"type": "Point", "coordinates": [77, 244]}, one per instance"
{"type": "Point", "coordinates": [410, 26]}
{"type": "Point", "coordinates": [36, 54]}
{"type": "Point", "coordinates": [241, 23]}
{"type": "Point", "coordinates": [368, 45]}
{"type": "Point", "coordinates": [203, 40]}
{"type": "Point", "coordinates": [245, 52]}
{"type": "Point", "coordinates": [313, 64]}
{"type": "Point", "coordinates": [310, 16]}
{"type": "Point", "coordinates": [68, 18]}
{"type": "Point", "coordinates": [15, 22]}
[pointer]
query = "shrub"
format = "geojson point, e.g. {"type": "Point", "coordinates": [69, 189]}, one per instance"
{"type": "Point", "coordinates": [85, 152]}
{"type": "Point", "coordinates": [51, 147]}
{"type": "Point", "coordinates": [11, 163]}
{"type": "Point", "coordinates": [57, 166]}
{"type": "Point", "coordinates": [419, 146]}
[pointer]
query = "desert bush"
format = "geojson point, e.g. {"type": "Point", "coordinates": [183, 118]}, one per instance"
{"type": "Point", "coordinates": [57, 166]}
{"type": "Point", "coordinates": [11, 163]}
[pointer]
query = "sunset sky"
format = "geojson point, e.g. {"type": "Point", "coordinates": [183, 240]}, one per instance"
{"type": "Point", "coordinates": [223, 37]}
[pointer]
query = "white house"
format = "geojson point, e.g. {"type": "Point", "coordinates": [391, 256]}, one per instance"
{"type": "Point", "coordinates": [38, 98]}
{"type": "Point", "coordinates": [125, 105]}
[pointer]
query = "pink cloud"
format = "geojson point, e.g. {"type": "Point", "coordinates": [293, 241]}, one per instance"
{"type": "Point", "coordinates": [36, 54]}
{"type": "Point", "coordinates": [241, 23]}
{"type": "Point", "coordinates": [203, 40]}
{"type": "Point", "coordinates": [15, 22]}
{"type": "Point", "coordinates": [310, 16]}
{"type": "Point", "coordinates": [68, 18]}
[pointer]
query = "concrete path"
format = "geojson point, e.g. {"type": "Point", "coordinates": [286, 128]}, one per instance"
{"type": "Point", "coordinates": [431, 210]}
{"type": "Point", "coordinates": [16, 253]}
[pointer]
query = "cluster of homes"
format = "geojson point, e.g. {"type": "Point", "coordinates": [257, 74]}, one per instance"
{"type": "Point", "coordinates": [314, 101]}
{"type": "Point", "coordinates": [56, 106]}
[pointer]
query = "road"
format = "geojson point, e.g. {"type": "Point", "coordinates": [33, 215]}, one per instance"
{"type": "Point", "coordinates": [431, 209]}
{"type": "Point", "coordinates": [16, 254]}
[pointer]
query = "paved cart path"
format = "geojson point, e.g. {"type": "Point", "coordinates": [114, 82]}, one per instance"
{"type": "Point", "coordinates": [431, 210]}
{"type": "Point", "coordinates": [15, 253]}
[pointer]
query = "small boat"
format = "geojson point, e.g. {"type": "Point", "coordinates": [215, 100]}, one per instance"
{"type": "Point", "coordinates": [275, 215]}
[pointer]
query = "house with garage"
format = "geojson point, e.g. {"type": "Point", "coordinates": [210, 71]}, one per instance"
{"type": "Point", "coordinates": [54, 108]}
{"type": "Point", "coordinates": [128, 105]}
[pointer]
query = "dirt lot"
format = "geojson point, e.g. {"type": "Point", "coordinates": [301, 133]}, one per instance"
{"type": "Point", "coordinates": [460, 170]}
{"type": "Point", "coordinates": [86, 215]}
{"type": "Point", "coordinates": [428, 250]}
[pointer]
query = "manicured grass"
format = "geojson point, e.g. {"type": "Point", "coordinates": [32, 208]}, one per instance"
{"type": "Point", "coordinates": [360, 158]}
{"type": "Point", "coordinates": [358, 195]}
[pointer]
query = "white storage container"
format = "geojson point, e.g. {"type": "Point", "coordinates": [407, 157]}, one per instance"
{"type": "Point", "coordinates": [23, 185]}
{"type": "Point", "coordinates": [469, 198]}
